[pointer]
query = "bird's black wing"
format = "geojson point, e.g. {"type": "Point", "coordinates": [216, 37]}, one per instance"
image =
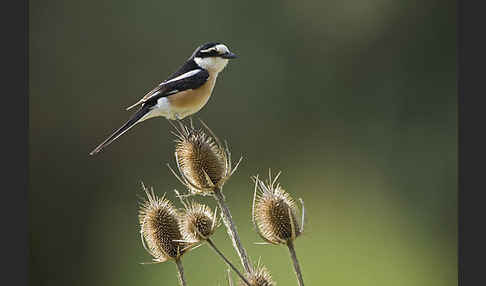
{"type": "Point", "coordinates": [189, 80]}
{"type": "Point", "coordinates": [186, 67]}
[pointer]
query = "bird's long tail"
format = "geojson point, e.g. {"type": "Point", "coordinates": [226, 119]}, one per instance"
{"type": "Point", "coordinates": [129, 124]}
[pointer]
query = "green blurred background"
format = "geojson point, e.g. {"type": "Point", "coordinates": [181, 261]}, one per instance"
{"type": "Point", "coordinates": [355, 101]}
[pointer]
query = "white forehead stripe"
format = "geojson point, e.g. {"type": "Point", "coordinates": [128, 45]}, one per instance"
{"type": "Point", "coordinates": [208, 50]}
{"type": "Point", "coordinates": [222, 49]}
{"type": "Point", "coordinates": [183, 76]}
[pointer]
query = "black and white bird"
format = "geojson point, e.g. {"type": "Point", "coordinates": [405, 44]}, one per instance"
{"type": "Point", "coordinates": [184, 93]}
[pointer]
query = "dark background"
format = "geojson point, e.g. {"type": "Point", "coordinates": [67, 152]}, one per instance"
{"type": "Point", "coordinates": [355, 101]}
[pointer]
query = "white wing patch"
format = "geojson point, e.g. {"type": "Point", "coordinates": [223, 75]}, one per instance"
{"type": "Point", "coordinates": [182, 76]}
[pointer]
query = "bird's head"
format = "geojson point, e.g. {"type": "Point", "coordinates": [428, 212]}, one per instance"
{"type": "Point", "coordinates": [212, 56]}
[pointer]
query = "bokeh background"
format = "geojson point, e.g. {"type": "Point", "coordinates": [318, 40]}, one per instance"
{"type": "Point", "coordinates": [354, 101]}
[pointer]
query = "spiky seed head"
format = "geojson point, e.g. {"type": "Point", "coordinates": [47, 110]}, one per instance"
{"type": "Point", "coordinates": [198, 222]}
{"type": "Point", "coordinates": [159, 228]}
{"type": "Point", "coordinates": [198, 155]}
{"type": "Point", "coordinates": [274, 212]}
{"type": "Point", "coordinates": [259, 277]}
{"type": "Point", "coordinates": [203, 162]}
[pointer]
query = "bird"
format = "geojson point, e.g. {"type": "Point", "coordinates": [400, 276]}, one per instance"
{"type": "Point", "coordinates": [183, 93]}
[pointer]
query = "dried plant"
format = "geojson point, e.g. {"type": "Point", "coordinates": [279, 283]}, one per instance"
{"type": "Point", "coordinates": [274, 215]}
{"type": "Point", "coordinates": [198, 154]}
{"type": "Point", "coordinates": [198, 224]}
{"type": "Point", "coordinates": [204, 165]}
{"type": "Point", "coordinates": [160, 231]}
{"type": "Point", "coordinates": [260, 277]}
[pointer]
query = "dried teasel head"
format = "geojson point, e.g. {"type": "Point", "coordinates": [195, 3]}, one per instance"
{"type": "Point", "coordinates": [198, 222]}
{"type": "Point", "coordinates": [159, 228]}
{"type": "Point", "coordinates": [274, 212]}
{"type": "Point", "coordinates": [259, 277]}
{"type": "Point", "coordinates": [203, 163]}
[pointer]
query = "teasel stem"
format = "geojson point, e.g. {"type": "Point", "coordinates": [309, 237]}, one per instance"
{"type": "Point", "coordinates": [180, 271]}
{"type": "Point", "coordinates": [211, 243]}
{"type": "Point", "coordinates": [231, 228]}
{"type": "Point", "coordinates": [230, 281]}
{"type": "Point", "coordinates": [227, 261]}
{"type": "Point", "coordinates": [298, 272]}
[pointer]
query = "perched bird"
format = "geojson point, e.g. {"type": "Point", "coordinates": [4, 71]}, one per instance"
{"type": "Point", "coordinates": [184, 93]}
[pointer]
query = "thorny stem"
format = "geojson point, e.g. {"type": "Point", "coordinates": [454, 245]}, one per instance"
{"type": "Point", "coordinates": [230, 226]}
{"type": "Point", "coordinates": [228, 262]}
{"type": "Point", "coordinates": [290, 245]}
{"type": "Point", "coordinates": [180, 270]}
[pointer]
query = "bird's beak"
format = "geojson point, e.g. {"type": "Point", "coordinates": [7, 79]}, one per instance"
{"type": "Point", "coordinates": [228, 55]}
